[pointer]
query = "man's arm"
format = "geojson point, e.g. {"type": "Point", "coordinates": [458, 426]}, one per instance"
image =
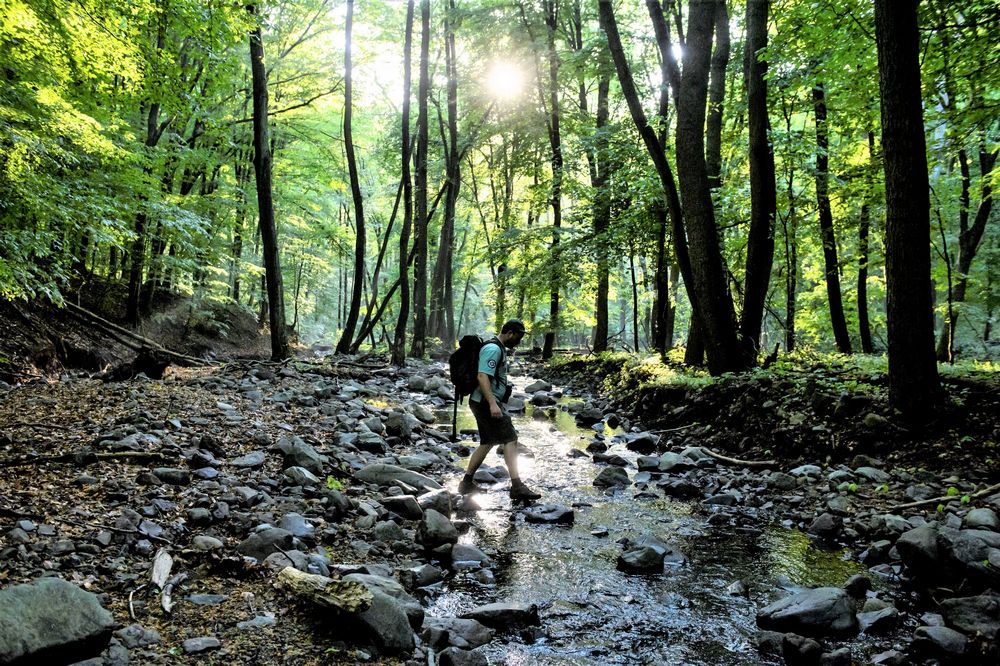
{"type": "Point", "coordinates": [486, 388]}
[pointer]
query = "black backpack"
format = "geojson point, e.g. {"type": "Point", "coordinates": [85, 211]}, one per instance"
{"type": "Point", "coordinates": [463, 364]}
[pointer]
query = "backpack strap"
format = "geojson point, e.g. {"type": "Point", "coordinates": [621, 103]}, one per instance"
{"type": "Point", "coordinates": [503, 355]}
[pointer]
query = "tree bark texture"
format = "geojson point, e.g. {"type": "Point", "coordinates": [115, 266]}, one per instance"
{"type": "Point", "coordinates": [763, 195]}
{"type": "Point", "coordinates": [717, 93]}
{"type": "Point", "coordinates": [399, 339]}
{"type": "Point", "coordinates": [265, 202]}
{"type": "Point", "coordinates": [864, 226]}
{"type": "Point", "coordinates": [551, 8]}
{"type": "Point", "coordinates": [827, 235]}
{"type": "Point", "coordinates": [417, 346]}
{"type": "Point", "coordinates": [715, 307]}
{"type": "Point", "coordinates": [914, 387]}
{"type": "Point", "coordinates": [359, 205]}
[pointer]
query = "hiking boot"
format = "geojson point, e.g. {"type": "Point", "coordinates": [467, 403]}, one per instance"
{"type": "Point", "coordinates": [467, 485]}
{"type": "Point", "coordinates": [521, 492]}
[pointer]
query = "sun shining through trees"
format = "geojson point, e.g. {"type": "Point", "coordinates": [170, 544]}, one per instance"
{"type": "Point", "coordinates": [504, 81]}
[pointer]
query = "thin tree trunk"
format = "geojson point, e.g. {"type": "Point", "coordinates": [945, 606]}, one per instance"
{"type": "Point", "coordinates": [399, 339]}
{"type": "Point", "coordinates": [914, 387]}
{"type": "Point", "coordinates": [417, 346]}
{"type": "Point", "coordinates": [830, 260]}
{"type": "Point", "coordinates": [265, 203]}
{"type": "Point", "coordinates": [864, 225]}
{"type": "Point", "coordinates": [763, 194]}
{"type": "Point", "coordinates": [717, 95]}
{"type": "Point", "coordinates": [347, 336]}
{"type": "Point", "coordinates": [551, 8]}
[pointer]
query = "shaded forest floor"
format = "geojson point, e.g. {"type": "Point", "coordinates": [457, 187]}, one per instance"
{"type": "Point", "coordinates": [829, 409]}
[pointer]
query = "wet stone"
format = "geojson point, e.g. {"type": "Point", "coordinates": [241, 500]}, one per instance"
{"type": "Point", "coordinates": [641, 560]}
{"type": "Point", "coordinates": [550, 513]}
{"type": "Point", "coordinates": [612, 476]}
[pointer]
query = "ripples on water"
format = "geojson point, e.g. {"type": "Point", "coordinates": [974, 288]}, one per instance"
{"type": "Point", "coordinates": [592, 613]}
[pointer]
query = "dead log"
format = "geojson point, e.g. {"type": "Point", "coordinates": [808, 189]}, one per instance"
{"type": "Point", "coordinates": [738, 462]}
{"type": "Point", "coordinates": [325, 592]}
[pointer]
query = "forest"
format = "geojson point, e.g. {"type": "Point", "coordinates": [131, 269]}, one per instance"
{"type": "Point", "coordinates": [784, 207]}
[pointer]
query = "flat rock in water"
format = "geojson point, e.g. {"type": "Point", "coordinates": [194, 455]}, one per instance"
{"type": "Point", "coordinates": [384, 474]}
{"type": "Point", "coordinates": [505, 616]}
{"type": "Point", "coordinates": [550, 513]}
{"type": "Point", "coordinates": [824, 611]}
{"type": "Point", "coordinates": [436, 530]}
{"type": "Point", "coordinates": [612, 476]}
{"type": "Point", "coordinates": [641, 560]}
{"type": "Point", "coordinates": [51, 621]}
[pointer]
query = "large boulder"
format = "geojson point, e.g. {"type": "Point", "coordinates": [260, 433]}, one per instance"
{"type": "Point", "coordinates": [980, 614]}
{"type": "Point", "coordinates": [823, 611]}
{"type": "Point", "coordinates": [436, 530]}
{"type": "Point", "coordinates": [918, 548]}
{"type": "Point", "coordinates": [387, 624]}
{"type": "Point", "coordinates": [414, 611]}
{"type": "Point", "coordinates": [300, 454]}
{"type": "Point", "coordinates": [505, 616]}
{"type": "Point", "coordinates": [460, 633]}
{"type": "Point", "coordinates": [612, 476]}
{"type": "Point", "coordinates": [49, 621]}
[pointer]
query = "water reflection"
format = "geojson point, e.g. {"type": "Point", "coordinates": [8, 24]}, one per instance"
{"type": "Point", "coordinates": [594, 614]}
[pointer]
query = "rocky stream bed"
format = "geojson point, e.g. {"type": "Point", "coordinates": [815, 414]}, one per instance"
{"type": "Point", "coordinates": [304, 513]}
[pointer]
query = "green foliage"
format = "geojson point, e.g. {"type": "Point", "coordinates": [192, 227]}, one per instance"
{"type": "Point", "coordinates": [334, 483]}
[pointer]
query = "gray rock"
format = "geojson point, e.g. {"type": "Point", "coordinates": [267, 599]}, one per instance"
{"type": "Point", "coordinates": [873, 474]}
{"type": "Point", "coordinates": [388, 531]}
{"type": "Point", "coordinates": [878, 622]}
{"type": "Point", "coordinates": [137, 636]}
{"type": "Point", "coordinates": [383, 474]}
{"type": "Point", "coordinates": [542, 399]}
{"type": "Point", "coordinates": [436, 530]}
{"type": "Point", "coordinates": [259, 622]}
{"type": "Point", "coordinates": [507, 616]}
{"type": "Point", "coordinates": [550, 513]}
{"type": "Point", "coordinates": [205, 599]}
{"type": "Point", "coordinates": [405, 506]}
{"type": "Point", "coordinates": [388, 625]}
{"type": "Point", "coordinates": [300, 476]}
{"type": "Point", "coordinates": [918, 548]}
{"type": "Point", "coordinates": [807, 470]}
{"type": "Point", "coordinates": [642, 442]}
{"type": "Point", "coordinates": [421, 576]}
{"type": "Point", "coordinates": [800, 650]}
{"type": "Point", "coordinates": [826, 526]}
{"type": "Point", "coordinates": [982, 519]}
{"type": "Point", "coordinates": [461, 633]}
{"type": "Point", "coordinates": [416, 383]}
{"type": "Point", "coordinates": [265, 542]}
{"type": "Point", "coordinates": [464, 552]}
{"type": "Point", "coordinates": [612, 476]}
{"type": "Point", "coordinates": [839, 657]}
{"type": "Point", "coordinates": [173, 475]}
{"type": "Point", "coordinates": [641, 560]}
{"type": "Point", "coordinates": [296, 559]}
{"type": "Point", "coordinates": [297, 525]}
{"type": "Point", "coordinates": [675, 462]}
{"type": "Point", "coordinates": [388, 586]}
{"type": "Point", "coordinates": [818, 612]}
{"type": "Point", "coordinates": [201, 644]}
{"type": "Point", "coordinates": [250, 460]}
{"type": "Point", "coordinates": [974, 614]}
{"type": "Point", "coordinates": [300, 454]}
{"type": "Point", "coordinates": [940, 642]}
{"type": "Point", "coordinates": [398, 425]}
{"type": "Point", "coordinates": [857, 585]}
{"type": "Point", "coordinates": [206, 543]}
{"type": "Point", "coordinates": [782, 481]}
{"type": "Point", "coordinates": [439, 500]}
{"type": "Point", "coordinates": [537, 385]}
{"type": "Point", "coordinates": [51, 621]}
{"type": "Point", "coordinates": [454, 656]}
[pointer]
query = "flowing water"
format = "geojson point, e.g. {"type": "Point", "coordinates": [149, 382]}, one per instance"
{"type": "Point", "coordinates": [591, 612]}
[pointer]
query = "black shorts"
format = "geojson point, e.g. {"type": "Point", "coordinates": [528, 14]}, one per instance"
{"type": "Point", "coordinates": [491, 430]}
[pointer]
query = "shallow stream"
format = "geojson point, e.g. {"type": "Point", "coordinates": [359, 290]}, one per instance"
{"type": "Point", "coordinates": [591, 612]}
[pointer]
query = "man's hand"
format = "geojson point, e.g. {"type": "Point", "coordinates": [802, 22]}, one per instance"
{"type": "Point", "coordinates": [495, 409]}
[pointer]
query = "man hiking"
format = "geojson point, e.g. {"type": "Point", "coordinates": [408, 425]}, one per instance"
{"type": "Point", "coordinates": [489, 405]}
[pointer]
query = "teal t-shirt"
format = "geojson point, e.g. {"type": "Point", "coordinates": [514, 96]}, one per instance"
{"type": "Point", "coordinates": [492, 361]}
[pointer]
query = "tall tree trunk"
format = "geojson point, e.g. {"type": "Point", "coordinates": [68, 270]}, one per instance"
{"type": "Point", "coordinates": [154, 130]}
{"type": "Point", "coordinates": [442, 319]}
{"type": "Point", "coordinates": [399, 339]}
{"type": "Point", "coordinates": [830, 261]}
{"type": "Point", "coordinates": [359, 207]}
{"type": "Point", "coordinates": [763, 191]}
{"type": "Point", "coordinates": [715, 307]}
{"type": "Point", "coordinates": [551, 8]}
{"type": "Point", "coordinates": [420, 269]}
{"type": "Point", "coordinates": [265, 203]}
{"type": "Point", "coordinates": [914, 387]}
{"type": "Point", "coordinates": [717, 94]}
{"type": "Point", "coordinates": [864, 225]}
{"type": "Point", "coordinates": [654, 146]}
{"type": "Point", "coordinates": [969, 239]}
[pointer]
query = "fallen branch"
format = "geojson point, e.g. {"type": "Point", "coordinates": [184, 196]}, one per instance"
{"type": "Point", "coordinates": [677, 429]}
{"type": "Point", "coordinates": [119, 331]}
{"type": "Point", "coordinates": [948, 498]}
{"type": "Point", "coordinates": [82, 458]}
{"type": "Point", "coordinates": [166, 599]}
{"type": "Point", "coordinates": [741, 463]}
